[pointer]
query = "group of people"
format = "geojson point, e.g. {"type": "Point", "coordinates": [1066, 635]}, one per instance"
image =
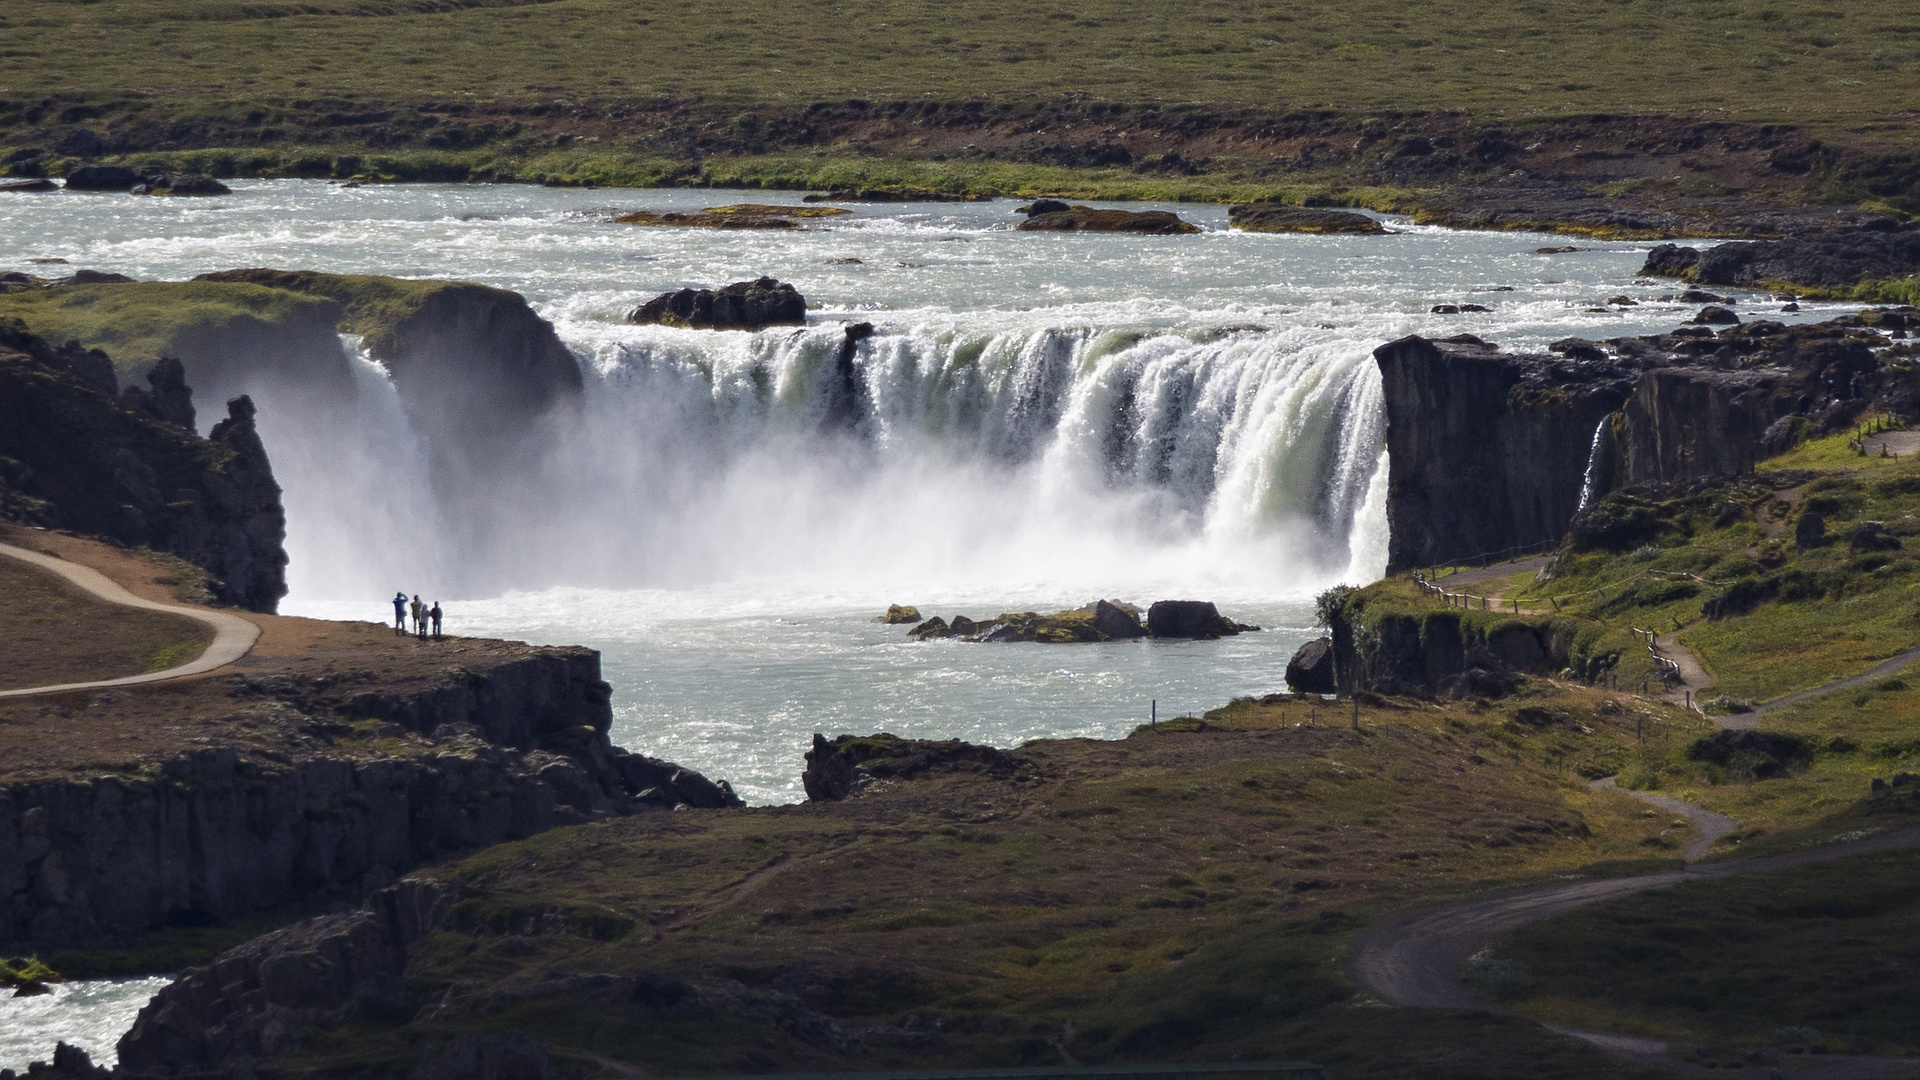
{"type": "Point", "coordinates": [422, 616]}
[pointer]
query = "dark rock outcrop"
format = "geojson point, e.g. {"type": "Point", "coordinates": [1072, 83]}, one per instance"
{"type": "Point", "coordinates": [256, 1003]}
{"type": "Point", "coordinates": [1189, 619]}
{"type": "Point", "coordinates": [1873, 536]}
{"type": "Point", "coordinates": [743, 305]}
{"type": "Point", "coordinates": [1077, 218]}
{"type": "Point", "coordinates": [167, 396]}
{"type": "Point", "coordinates": [1820, 259]}
{"type": "Point", "coordinates": [1492, 452]}
{"type": "Point", "coordinates": [473, 362]}
{"type": "Point", "coordinates": [1444, 653]}
{"type": "Point", "coordinates": [849, 764]}
{"type": "Point", "coordinates": [184, 186]}
{"type": "Point", "coordinates": [505, 751]}
{"type": "Point", "coordinates": [75, 456]}
{"type": "Point", "coordinates": [1268, 217]}
{"type": "Point", "coordinates": [103, 178]}
{"type": "Point", "coordinates": [28, 186]}
{"type": "Point", "coordinates": [1486, 450]}
{"type": "Point", "coordinates": [1116, 622]}
{"type": "Point", "coordinates": [1810, 530]}
{"type": "Point", "coordinates": [1311, 669]}
{"type": "Point", "coordinates": [899, 613]}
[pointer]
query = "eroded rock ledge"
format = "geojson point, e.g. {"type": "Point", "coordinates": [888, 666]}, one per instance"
{"type": "Point", "coordinates": [328, 788]}
{"type": "Point", "coordinates": [1491, 453]}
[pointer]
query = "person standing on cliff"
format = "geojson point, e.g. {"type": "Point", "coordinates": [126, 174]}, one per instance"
{"type": "Point", "coordinates": [399, 613]}
{"type": "Point", "coordinates": [434, 614]}
{"type": "Point", "coordinates": [419, 618]}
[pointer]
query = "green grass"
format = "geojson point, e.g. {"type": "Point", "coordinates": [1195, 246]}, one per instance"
{"type": "Point", "coordinates": [242, 59]}
{"type": "Point", "coordinates": [51, 633]}
{"type": "Point", "coordinates": [1188, 893]}
{"type": "Point", "coordinates": [1820, 956]}
{"type": "Point", "coordinates": [1836, 452]}
{"type": "Point", "coordinates": [136, 322]}
{"type": "Point", "coordinates": [1823, 613]}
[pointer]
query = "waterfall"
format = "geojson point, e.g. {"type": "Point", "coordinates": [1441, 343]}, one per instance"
{"type": "Point", "coordinates": [362, 519]}
{"type": "Point", "coordinates": [1595, 480]}
{"type": "Point", "coordinates": [1011, 455]}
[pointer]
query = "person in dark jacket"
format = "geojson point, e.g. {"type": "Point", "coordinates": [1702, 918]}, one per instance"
{"type": "Point", "coordinates": [434, 614]}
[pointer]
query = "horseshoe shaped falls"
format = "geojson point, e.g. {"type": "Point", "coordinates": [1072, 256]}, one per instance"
{"type": "Point", "coordinates": [1036, 421]}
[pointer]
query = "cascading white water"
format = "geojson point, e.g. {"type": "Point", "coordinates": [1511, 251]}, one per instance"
{"type": "Point", "coordinates": [972, 455]}
{"type": "Point", "coordinates": [361, 516]}
{"type": "Point", "coordinates": [1596, 461]}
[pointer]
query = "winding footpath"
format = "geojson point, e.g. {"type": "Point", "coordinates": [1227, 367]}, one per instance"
{"type": "Point", "coordinates": [1418, 958]}
{"type": "Point", "coordinates": [233, 636]}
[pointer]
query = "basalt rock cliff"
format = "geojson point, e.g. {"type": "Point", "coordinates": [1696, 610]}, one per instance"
{"type": "Point", "coordinates": [371, 775]}
{"type": "Point", "coordinates": [77, 454]}
{"type": "Point", "coordinates": [1491, 453]}
{"type": "Point", "coordinates": [477, 367]}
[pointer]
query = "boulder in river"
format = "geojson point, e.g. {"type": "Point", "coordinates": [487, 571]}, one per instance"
{"type": "Point", "coordinates": [1078, 218]}
{"type": "Point", "coordinates": [732, 216]}
{"type": "Point", "coordinates": [743, 305]}
{"type": "Point", "coordinates": [1715, 315]}
{"type": "Point", "coordinates": [1116, 622]}
{"type": "Point", "coordinates": [899, 613]}
{"type": "Point", "coordinates": [1270, 217]}
{"type": "Point", "coordinates": [935, 627]}
{"type": "Point", "coordinates": [1190, 619]}
{"type": "Point", "coordinates": [187, 185]}
{"type": "Point", "coordinates": [103, 178]}
{"type": "Point", "coordinates": [1044, 206]}
{"type": "Point", "coordinates": [36, 184]}
{"type": "Point", "coordinates": [1311, 669]}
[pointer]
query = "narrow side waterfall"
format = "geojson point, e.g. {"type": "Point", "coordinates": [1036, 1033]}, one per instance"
{"type": "Point", "coordinates": [1595, 480]}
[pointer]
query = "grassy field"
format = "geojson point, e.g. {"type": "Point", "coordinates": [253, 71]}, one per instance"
{"type": "Point", "coordinates": [1186, 893]}
{"type": "Point", "coordinates": [1750, 60]}
{"type": "Point", "coordinates": [1774, 965]}
{"type": "Point", "coordinates": [52, 633]}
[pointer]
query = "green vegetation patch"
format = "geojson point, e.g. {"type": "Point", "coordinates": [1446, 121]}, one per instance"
{"type": "Point", "coordinates": [1187, 892]}
{"type": "Point", "coordinates": [52, 633]}
{"type": "Point", "coordinates": [1819, 958]}
{"type": "Point", "coordinates": [240, 63]}
{"type": "Point", "coordinates": [136, 322]}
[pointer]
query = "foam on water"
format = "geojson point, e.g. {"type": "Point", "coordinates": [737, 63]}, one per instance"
{"type": "Point", "coordinates": [91, 1015]}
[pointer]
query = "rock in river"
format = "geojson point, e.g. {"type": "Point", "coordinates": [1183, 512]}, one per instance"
{"type": "Point", "coordinates": [734, 216]}
{"type": "Point", "coordinates": [1268, 217]}
{"type": "Point", "coordinates": [1190, 619]}
{"type": "Point", "coordinates": [1078, 218]}
{"type": "Point", "coordinates": [899, 613]}
{"type": "Point", "coordinates": [1311, 669]}
{"type": "Point", "coordinates": [743, 305]}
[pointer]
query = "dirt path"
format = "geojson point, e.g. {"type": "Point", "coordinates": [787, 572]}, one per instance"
{"type": "Point", "coordinates": [1898, 443]}
{"type": "Point", "coordinates": [233, 636]}
{"type": "Point", "coordinates": [1416, 959]}
{"type": "Point", "coordinates": [1708, 827]}
{"type": "Point", "coordinates": [1873, 674]}
{"type": "Point", "coordinates": [1694, 679]}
